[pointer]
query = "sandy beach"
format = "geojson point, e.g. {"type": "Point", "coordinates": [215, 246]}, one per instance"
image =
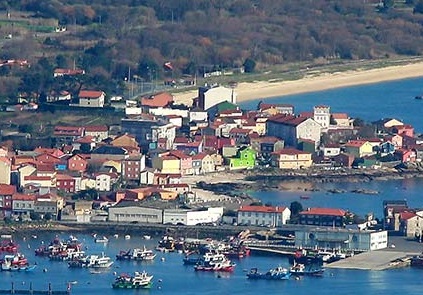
{"type": "Point", "coordinates": [314, 81]}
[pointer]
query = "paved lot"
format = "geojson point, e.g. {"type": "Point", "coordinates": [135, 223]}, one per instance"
{"type": "Point", "coordinates": [381, 259]}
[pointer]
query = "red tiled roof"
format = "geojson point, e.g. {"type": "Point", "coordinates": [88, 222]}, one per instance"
{"type": "Point", "coordinates": [199, 156]}
{"type": "Point", "coordinates": [85, 139]}
{"type": "Point", "coordinates": [90, 94]}
{"type": "Point", "coordinates": [264, 106]}
{"type": "Point", "coordinates": [324, 211]}
{"type": "Point", "coordinates": [7, 189]}
{"type": "Point", "coordinates": [96, 128]}
{"type": "Point", "coordinates": [261, 209]}
{"type": "Point", "coordinates": [239, 131]}
{"type": "Point", "coordinates": [34, 177]}
{"type": "Point", "coordinates": [307, 114]}
{"type": "Point", "coordinates": [68, 131]}
{"type": "Point", "coordinates": [64, 177]}
{"type": "Point", "coordinates": [178, 154]}
{"type": "Point", "coordinates": [339, 116]}
{"type": "Point", "coordinates": [290, 151]}
{"type": "Point", "coordinates": [157, 100]}
{"type": "Point", "coordinates": [355, 143]}
{"type": "Point", "coordinates": [22, 197]}
{"type": "Point", "coordinates": [181, 139]}
{"type": "Point", "coordinates": [407, 215]}
{"type": "Point", "coordinates": [69, 71]}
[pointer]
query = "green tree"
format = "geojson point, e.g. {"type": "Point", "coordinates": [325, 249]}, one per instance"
{"type": "Point", "coordinates": [34, 216]}
{"type": "Point", "coordinates": [295, 208]}
{"type": "Point", "coordinates": [249, 65]}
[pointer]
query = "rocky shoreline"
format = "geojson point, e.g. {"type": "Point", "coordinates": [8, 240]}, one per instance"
{"type": "Point", "coordinates": [307, 180]}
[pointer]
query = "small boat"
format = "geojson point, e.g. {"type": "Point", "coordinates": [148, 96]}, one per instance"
{"type": "Point", "coordinates": [143, 254]}
{"type": "Point", "coordinates": [127, 237]}
{"type": "Point", "coordinates": [300, 269]}
{"type": "Point", "coordinates": [101, 240]}
{"type": "Point", "coordinates": [304, 197]}
{"type": "Point", "coordinates": [277, 273]}
{"type": "Point", "coordinates": [147, 237]}
{"type": "Point", "coordinates": [418, 97]}
{"type": "Point", "coordinates": [124, 255]}
{"type": "Point", "coordinates": [140, 280]}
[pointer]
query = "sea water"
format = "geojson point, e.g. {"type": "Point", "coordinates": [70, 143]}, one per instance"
{"type": "Point", "coordinates": [172, 277]}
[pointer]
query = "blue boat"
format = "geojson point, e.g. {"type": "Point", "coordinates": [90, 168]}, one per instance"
{"type": "Point", "coordinates": [277, 273]}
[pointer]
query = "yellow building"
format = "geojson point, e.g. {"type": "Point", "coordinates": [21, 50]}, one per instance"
{"type": "Point", "coordinates": [291, 159]}
{"type": "Point", "coordinates": [114, 164]}
{"type": "Point", "coordinates": [359, 148]}
{"type": "Point", "coordinates": [167, 164]}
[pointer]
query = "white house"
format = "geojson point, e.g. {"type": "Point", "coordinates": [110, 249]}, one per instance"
{"type": "Point", "coordinates": [263, 215]}
{"type": "Point", "coordinates": [103, 182]}
{"type": "Point", "coordinates": [209, 96]}
{"type": "Point", "coordinates": [91, 98]}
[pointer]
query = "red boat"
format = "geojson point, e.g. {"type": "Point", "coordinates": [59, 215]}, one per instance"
{"type": "Point", "coordinates": [8, 246]}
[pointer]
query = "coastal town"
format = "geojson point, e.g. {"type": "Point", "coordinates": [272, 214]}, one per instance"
{"type": "Point", "coordinates": [151, 168]}
{"type": "Point", "coordinates": [188, 147]}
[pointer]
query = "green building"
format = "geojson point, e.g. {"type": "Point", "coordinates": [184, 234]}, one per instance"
{"type": "Point", "coordinates": [245, 158]}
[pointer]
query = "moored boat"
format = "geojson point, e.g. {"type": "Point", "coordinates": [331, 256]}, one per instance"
{"type": "Point", "coordinates": [101, 240]}
{"type": "Point", "coordinates": [140, 280]}
{"type": "Point", "coordinates": [143, 254]}
{"type": "Point", "coordinates": [124, 255]}
{"type": "Point", "coordinates": [212, 261]}
{"type": "Point", "coordinates": [16, 262]}
{"type": "Point", "coordinates": [300, 269]}
{"type": "Point", "coordinates": [277, 273]}
{"type": "Point", "coordinates": [8, 246]}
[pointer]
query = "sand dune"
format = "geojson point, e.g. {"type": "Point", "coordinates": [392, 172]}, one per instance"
{"type": "Point", "coordinates": [315, 82]}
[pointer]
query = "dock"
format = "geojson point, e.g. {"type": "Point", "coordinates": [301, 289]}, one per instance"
{"type": "Point", "coordinates": [30, 290]}
{"type": "Point", "coordinates": [374, 260]}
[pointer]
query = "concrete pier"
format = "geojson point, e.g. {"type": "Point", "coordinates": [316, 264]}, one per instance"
{"type": "Point", "coordinates": [374, 260]}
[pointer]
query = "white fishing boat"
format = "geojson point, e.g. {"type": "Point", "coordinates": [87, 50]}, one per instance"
{"type": "Point", "coordinates": [143, 254]}
{"type": "Point", "coordinates": [101, 240]}
{"type": "Point", "coordinates": [98, 261]}
{"type": "Point", "coordinates": [127, 237]}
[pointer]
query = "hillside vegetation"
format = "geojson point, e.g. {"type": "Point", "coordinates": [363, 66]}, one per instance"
{"type": "Point", "coordinates": [111, 39]}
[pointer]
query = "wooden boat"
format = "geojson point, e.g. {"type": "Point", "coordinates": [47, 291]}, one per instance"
{"type": "Point", "coordinates": [277, 273]}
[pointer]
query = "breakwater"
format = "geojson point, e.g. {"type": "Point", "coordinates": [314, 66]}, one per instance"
{"type": "Point", "coordinates": [108, 228]}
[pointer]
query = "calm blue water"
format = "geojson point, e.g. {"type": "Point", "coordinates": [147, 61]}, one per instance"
{"type": "Point", "coordinates": [393, 99]}
{"type": "Point", "coordinates": [179, 279]}
{"type": "Point", "coordinates": [371, 102]}
{"type": "Point", "coordinates": [361, 204]}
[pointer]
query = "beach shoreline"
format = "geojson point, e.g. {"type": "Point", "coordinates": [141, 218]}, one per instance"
{"type": "Point", "coordinates": [314, 81]}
